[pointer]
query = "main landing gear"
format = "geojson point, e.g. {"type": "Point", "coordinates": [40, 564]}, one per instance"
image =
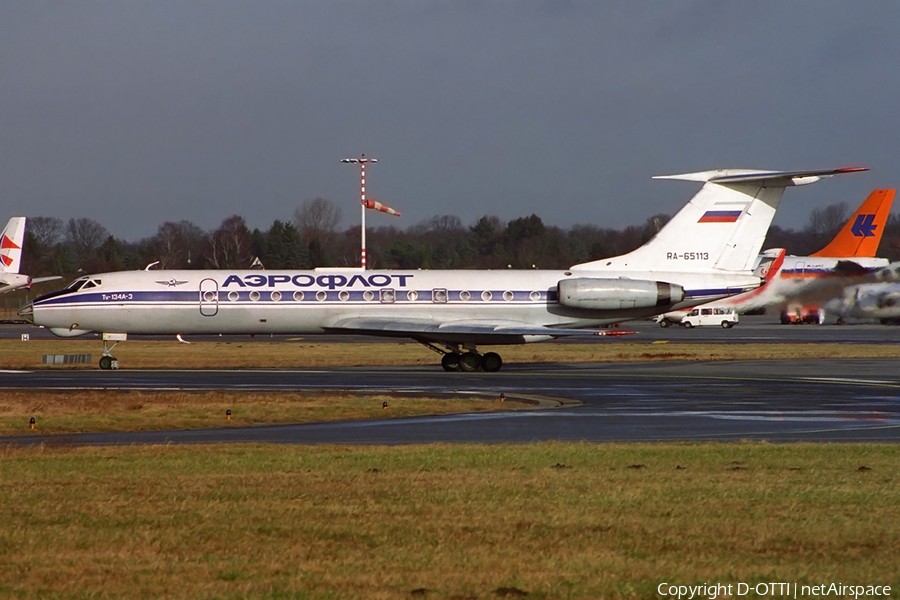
{"type": "Point", "coordinates": [466, 359]}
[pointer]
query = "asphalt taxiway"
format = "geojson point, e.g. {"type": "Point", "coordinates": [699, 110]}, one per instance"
{"type": "Point", "coordinates": [801, 400]}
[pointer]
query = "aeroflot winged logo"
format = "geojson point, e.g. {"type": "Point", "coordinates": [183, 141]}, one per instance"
{"type": "Point", "coordinates": [720, 216]}
{"type": "Point", "coordinates": [7, 244]}
{"type": "Point", "coordinates": [171, 283]}
{"type": "Point", "coordinates": [330, 281]}
{"type": "Point", "coordinates": [863, 226]}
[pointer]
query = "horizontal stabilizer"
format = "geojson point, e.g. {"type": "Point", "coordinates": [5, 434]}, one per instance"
{"type": "Point", "coordinates": [43, 279]}
{"type": "Point", "coordinates": [762, 178]}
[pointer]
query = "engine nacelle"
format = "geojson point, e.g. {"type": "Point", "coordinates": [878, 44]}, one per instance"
{"type": "Point", "coordinates": [617, 294]}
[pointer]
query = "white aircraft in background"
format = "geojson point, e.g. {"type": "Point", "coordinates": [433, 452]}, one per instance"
{"type": "Point", "coordinates": [11, 241]}
{"type": "Point", "coordinates": [707, 251]}
{"type": "Point", "coordinates": [879, 301]}
{"type": "Point", "coordinates": [802, 284]}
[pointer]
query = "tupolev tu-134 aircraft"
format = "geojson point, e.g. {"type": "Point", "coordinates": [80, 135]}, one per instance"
{"type": "Point", "coordinates": [707, 251]}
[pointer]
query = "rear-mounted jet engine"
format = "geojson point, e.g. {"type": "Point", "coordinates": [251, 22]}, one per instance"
{"type": "Point", "coordinates": [616, 294]}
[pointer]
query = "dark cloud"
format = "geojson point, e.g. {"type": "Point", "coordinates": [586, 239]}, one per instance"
{"type": "Point", "coordinates": [134, 113]}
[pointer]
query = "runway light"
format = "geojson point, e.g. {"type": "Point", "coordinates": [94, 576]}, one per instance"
{"type": "Point", "coordinates": [32, 422]}
{"type": "Point", "coordinates": [502, 397]}
{"type": "Point", "coordinates": [228, 414]}
{"type": "Point", "coordinates": [384, 405]}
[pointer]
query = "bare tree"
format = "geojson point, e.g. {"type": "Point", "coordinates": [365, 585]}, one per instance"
{"type": "Point", "coordinates": [47, 231]}
{"type": "Point", "coordinates": [85, 236]}
{"type": "Point", "coordinates": [445, 224]}
{"type": "Point", "coordinates": [168, 243]}
{"type": "Point", "coordinates": [829, 220]}
{"type": "Point", "coordinates": [229, 245]}
{"type": "Point", "coordinates": [317, 219]}
{"type": "Point", "coordinates": [174, 243]}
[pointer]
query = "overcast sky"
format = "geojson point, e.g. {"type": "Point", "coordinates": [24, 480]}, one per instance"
{"type": "Point", "coordinates": [135, 113]}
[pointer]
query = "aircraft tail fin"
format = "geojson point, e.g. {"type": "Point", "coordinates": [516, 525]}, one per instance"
{"type": "Point", "coordinates": [11, 241]}
{"type": "Point", "coordinates": [861, 235]}
{"type": "Point", "coordinates": [722, 228]}
{"type": "Point", "coordinates": [770, 264]}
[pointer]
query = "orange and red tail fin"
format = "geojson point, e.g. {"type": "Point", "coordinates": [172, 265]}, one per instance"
{"type": "Point", "coordinates": [862, 233]}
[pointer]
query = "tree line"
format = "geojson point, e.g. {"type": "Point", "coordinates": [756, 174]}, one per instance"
{"type": "Point", "coordinates": [312, 239]}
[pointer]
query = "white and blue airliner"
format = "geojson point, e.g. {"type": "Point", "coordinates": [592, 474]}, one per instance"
{"type": "Point", "coordinates": [707, 251]}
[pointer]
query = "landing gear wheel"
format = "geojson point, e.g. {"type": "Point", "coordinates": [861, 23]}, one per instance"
{"type": "Point", "coordinates": [491, 362]}
{"type": "Point", "coordinates": [450, 362]}
{"type": "Point", "coordinates": [469, 362]}
{"type": "Point", "coordinates": [106, 362]}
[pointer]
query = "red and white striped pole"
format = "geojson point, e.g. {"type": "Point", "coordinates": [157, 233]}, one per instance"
{"type": "Point", "coordinates": [362, 160]}
{"type": "Point", "coordinates": [364, 204]}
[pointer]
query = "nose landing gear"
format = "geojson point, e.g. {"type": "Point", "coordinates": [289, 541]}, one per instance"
{"type": "Point", "coordinates": [107, 360]}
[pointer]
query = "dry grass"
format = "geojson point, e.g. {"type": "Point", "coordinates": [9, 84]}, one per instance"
{"type": "Point", "coordinates": [553, 520]}
{"type": "Point", "coordinates": [259, 354]}
{"type": "Point", "coordinates": [118, 410]}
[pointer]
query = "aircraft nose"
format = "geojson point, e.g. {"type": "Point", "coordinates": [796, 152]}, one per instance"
{"type": "Point", "coordinates": [27, 312]}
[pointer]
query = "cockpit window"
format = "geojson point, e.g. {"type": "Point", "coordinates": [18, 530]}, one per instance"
{"type": "Point", "coordinates": [76, 285]}
{"type": "Point", "coordinates": [90, 284]}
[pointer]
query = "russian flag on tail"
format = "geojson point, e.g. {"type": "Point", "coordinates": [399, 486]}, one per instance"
{"type": "Point", "coordinates": [720, 216]}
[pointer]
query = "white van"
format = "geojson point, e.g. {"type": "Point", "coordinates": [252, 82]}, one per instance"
{"type": "Point", "coordinates": [724, 317]}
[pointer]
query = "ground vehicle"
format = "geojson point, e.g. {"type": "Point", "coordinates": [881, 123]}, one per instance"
{"type": "Point", "coordinates": [724, 317]}
{"type": "Point", "coordinates": [802, 314]}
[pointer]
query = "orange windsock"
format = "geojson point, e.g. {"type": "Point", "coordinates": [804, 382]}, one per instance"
{"type": "Point", "coordinates": [374, 205]}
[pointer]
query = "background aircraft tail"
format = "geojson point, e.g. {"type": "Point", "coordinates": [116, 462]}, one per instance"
{"type": "Point", "coordinates": [11, 245]}
{"type": "Point", "coordinates": [862, 233]}
{"type": "Point", "coordinates": [722, 228]}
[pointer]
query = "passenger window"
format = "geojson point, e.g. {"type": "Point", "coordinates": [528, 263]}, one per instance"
{"type": "Point", "coordinates": [439, 295]}
{"type": "Point", "coordinates": [387, 295]}
{"type": "Point", "coordinates": [706, 311]}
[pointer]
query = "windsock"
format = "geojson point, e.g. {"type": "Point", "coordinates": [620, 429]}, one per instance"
{"type": "Point", "coordinates": [374, 205]}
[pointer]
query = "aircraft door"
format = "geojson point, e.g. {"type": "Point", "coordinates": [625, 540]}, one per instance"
{"type": "Point", "coordinates": [209, 297]}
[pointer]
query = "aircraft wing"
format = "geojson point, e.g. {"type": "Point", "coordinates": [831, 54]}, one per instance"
{"type": "Point", "coordinates": [484, 332]}
{"type": "Point", "coordinates": [43, 279]}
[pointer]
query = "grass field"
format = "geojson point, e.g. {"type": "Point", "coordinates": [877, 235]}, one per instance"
{"type": "Point", "coordinates": [303, 353]}
{"type": "Point", "coordinates": [58, 412]}
{"type": "Point", "coordinates": [551, 520]}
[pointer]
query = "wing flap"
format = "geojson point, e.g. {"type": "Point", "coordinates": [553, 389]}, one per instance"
{"type": "Point", "coordinates": [424, 328]}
